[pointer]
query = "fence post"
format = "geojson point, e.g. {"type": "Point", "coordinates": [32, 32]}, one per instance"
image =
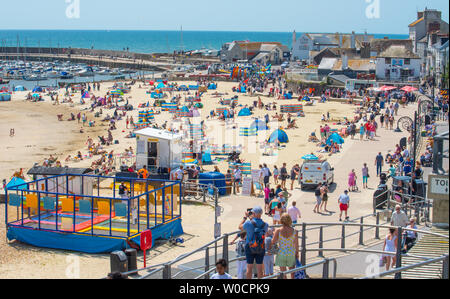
{"type": "Point", "coordinates": [167, 272]}
{"type": "Point", "coordinates": [207, 262]}
{"type": "Point", "coordinates": [377, 229]}
{"type": "Point", "coordinates": [225, 248]}
{"type": "Point", "coordinates": [321, 241]}
{"type": "Point", "coordinates": [326, 269]}
{"type": "Point", "coordinates": [361, 232]}
{"type": "Point", "coordinates": [303, 253]}
{"type": "Point", "coordinates": [445, 268]}
{"type": "Point", "coordinates": [343, 237]}
{"type": "Point", "coordinates": [398, 254]}
{"type": "Point", "coordinates": [417, 214]}
{"type": "Point", "coordinates": [204, 193]}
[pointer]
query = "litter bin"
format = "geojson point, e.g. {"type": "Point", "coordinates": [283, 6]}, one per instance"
{"type": "Point", "coordinates": [379, 197]}
{"type": "Point", "coordinates": [131, 254]}
{"type": "Point", "coordinates": [119, 262]}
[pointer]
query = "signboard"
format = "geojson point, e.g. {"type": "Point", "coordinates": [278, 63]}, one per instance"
{"type": "Point", "coordinates": [146, 244]}
{"type": "Point", "coordinates": [247, 184]}
{"type": "Point", "coordinates": [217, 230]}
{"type": "Point", "coordinates": [397, 62]}
{"type": "Point", "coordinates": [444, 94]}
{"type": "Point", "coordinates": [255, 176]}
{"type": "Point", "coordinates": [438, 187]}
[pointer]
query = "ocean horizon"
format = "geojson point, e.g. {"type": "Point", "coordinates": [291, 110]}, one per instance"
{"type": "Point", "coordinates": [144, 41]}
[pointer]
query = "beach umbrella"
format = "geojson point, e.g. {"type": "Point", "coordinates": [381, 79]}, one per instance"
{"type": "Point", "coordinates": [280, 136]}
{"type": "Point", "coordinates": [310, 157]}
{"type": "Point", "coordinates": [245, 112]}
{"type": "Point", "coordinates": [37, 89]}
{"type": "Point", "coordinates": [408, 88]}
{"type": "Point", "coordinates": [387, 88]}
{"type": "Point", "coordinates": [306, 99]}
{"type": "Point", "coordinates": [189, 161]}
{"type": "Point", "coordinates": [336, 138]}
{"type": "Point", "coordinates": [160, 85]}
{"type": "Point", "coordinates": [19, 88]}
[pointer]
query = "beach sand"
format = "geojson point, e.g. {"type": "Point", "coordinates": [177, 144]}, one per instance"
{"type": "Point", "coordinates": [23, 261]}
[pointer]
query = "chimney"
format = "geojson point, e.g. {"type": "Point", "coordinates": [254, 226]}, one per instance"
{"type": "Point", "coordinates": [344, 61]}
{"type": "Point", "coordinates": [353, 42]}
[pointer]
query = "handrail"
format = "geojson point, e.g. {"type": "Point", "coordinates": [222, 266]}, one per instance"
{"type": "Point", "coordinates": [401, 269]}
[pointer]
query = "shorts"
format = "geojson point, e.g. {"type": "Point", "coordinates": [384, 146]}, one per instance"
{"type": "Point", "coordinates": [275, 177]}
{"type": "Point", "coordinates": [343, 207]}
{"type": "Point", "coordinates": [253, 258]}
{"type": "Point", "coordinates": [285, 261]}
{"type": "Point", "coordinates": [266, 180]}
{"type": "Point", "coordinates": [237, 180]}
{"type": "Point", "coordinates": [318, 200]}
{"type": "Point", "coordinates": [365, 179]}
{"type": "Point", "coordinates": [267, 201]}
{"type": "Point", "coordinates": [283, 178]}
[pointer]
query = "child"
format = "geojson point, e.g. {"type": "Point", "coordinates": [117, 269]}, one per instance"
{"type": "Point", "coordinates": [221, 265]}
{"type": "Point", "coordinates": [269, 257]}
{"type": "Point", "coordinates": [240, 252]}
{"type": "Point", "coordinates": [276, 173]}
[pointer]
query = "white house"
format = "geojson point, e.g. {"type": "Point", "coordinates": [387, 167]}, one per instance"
{"type": "Point", "coordinates": [397, 63]}
{"type": "Point", "coordinates": [307, 42]}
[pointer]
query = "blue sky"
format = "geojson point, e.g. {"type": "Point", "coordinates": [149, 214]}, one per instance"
{"type": "Point", "coordinates": [212, 15]}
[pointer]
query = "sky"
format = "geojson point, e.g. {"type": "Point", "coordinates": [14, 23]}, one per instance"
{"type": "Point", "coordinates": [375, 16]}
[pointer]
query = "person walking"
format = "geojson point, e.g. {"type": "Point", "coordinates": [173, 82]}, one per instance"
{"type": "Point", "coordinates": [237, 178]}
{"type": "Point", "coordinates": [318, 198]}
{"type": "Point", "coordinates": [240, 252]}
{"type": "Point", "coordinates": [352, 181]}
{"type": "Point", "coordinates": [294, 172]}
{"type": "Point", "coordinates": [294, 212]}
{"type": "Point", "coordinates": [256, 229]}
{"type": "Point", "coordinates": [287, 239]}
{"type": "Point", "coordinates": [276, 173]}
{"type": "Point", "coordinates": [324, 194]}
{"type": "Point", "coordinates": [365, 175]}
{"type": "Point", "coordinates": [390, 245]}
{"type": "Point", "coordinates": [379, 162]}
{"type": "Point", "coordinates": [362, 130]}
{"type": "Point", "coordinates": [284, 175]}
{"type": "Point", "coordinates": [344, 205]}
{"type": "Point", "coordinates": [398, 217]}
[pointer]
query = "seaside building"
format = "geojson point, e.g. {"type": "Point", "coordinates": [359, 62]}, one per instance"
{"type": "Point", "coordinates": [257, 52]}
{"type": "Point", "coordinates": [428, 21]}
{"type": "Point", "coordinates": [397, 63]}
{"type": "Point", "coordinates": [308, 44]}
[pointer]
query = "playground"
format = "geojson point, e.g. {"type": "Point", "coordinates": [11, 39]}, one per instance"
{"type": "Point", "coordinates": [85, 213]}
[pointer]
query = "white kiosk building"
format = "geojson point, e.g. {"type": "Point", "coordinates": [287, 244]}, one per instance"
{"type": "Point", "coordinates": [158, 150]}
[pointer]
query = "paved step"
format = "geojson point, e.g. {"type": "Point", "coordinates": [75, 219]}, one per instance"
{"type": "Point", "coordinates": [428, 246]}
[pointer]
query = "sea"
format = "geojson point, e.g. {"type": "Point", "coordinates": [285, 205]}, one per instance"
{"type": "Point", "coordinates": [143, 41]}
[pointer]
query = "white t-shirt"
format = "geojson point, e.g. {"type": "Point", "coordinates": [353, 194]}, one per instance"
{"type": "Point", "coordinates": [224, 276]}
{"type": "Point", "coordinates": [294, 212]}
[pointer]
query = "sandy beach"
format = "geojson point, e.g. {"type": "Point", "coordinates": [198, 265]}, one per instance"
{"type": "Point", "coordinates": [38, 134]}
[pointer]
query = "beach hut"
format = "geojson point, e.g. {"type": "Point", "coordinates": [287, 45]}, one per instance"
{"type": "Point", "coordinates": [245, 112]}
{"type": "Point", "coordinates": [5, 97]}
{"type": "Point", "coordinates": [214, 178]}
{"type": "Point", "coordinates": [336, 138]}
{"type": "Point", "coordinates": [259, 125]}
{"type": "Point", "coordinates": [280, 136]}
{"type": "Point", "coordinates": [19, 88]}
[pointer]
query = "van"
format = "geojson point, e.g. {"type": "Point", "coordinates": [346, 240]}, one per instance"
{"type": "Point", "coordinates": [314, 172]}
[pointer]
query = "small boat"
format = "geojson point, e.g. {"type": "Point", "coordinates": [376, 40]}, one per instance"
{"type": "Point", "coordinates": [34, 78]}
{"type": "Point", "coordinates": [66, 76]}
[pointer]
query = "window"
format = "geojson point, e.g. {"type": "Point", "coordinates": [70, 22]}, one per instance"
{"type": "Point", "coordinates": [387, 61]}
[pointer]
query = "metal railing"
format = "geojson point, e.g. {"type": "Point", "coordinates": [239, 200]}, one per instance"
{"type": "Point", "coordinates": [361, 230]}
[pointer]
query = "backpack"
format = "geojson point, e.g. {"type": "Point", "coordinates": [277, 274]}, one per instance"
{"type": "Point", "coordinates": [240, 248]}
{"type": "Point", "coordinates": [257, 243]}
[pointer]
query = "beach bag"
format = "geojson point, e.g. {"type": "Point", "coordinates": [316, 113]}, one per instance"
{"type": "Point", "coordinates": [299, 274]}
{"type": "Point", "coordinates": [257, 243]}
{"type": "Point", "coordinates": [240, 248]}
